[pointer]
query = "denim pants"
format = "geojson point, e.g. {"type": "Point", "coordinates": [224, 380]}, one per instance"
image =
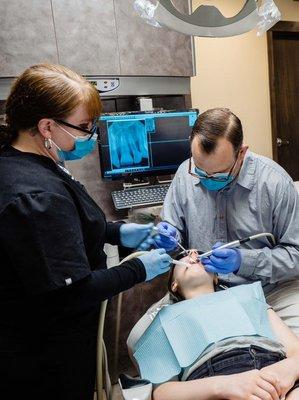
{"type": "Point", "coordinates": [237, 361]}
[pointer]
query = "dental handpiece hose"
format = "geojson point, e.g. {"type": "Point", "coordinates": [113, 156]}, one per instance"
{"type": "Point", "coordinates": [230, 245]}
{"type": "Point", "coordinates": [237, 243]}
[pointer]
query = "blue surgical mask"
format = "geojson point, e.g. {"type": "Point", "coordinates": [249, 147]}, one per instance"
{"type": "Point", "coordinates": [212, 184]}
{"type": "Point", "coordinates": [82, 147]}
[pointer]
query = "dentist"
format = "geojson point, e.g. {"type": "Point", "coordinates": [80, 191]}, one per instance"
{"type": "Point", "coordinates": [225, 192]}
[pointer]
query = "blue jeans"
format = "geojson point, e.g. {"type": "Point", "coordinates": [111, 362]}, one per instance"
{"type": "Point", "coordinates": [236, 361]}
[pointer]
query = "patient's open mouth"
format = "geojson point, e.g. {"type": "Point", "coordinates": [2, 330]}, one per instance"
{"type": "Point", "coordinates": [193, 256]}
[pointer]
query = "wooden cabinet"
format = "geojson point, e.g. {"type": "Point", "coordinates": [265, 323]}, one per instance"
{"type": "Point", "coordinates": [147, 50]}
{"type": "Point", "coordinates": [27, 35]}
{"type": "Point", "coordinates": [93, 37]}
{"type": "Point", "coordinates": [86, 36]}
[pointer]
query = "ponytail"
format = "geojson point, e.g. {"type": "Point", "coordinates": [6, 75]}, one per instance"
{"type": "Point", "coordinates": [7, 135]}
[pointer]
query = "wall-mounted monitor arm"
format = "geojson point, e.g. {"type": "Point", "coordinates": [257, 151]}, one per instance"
{"type": "Point", "coordinates": [207, 20]}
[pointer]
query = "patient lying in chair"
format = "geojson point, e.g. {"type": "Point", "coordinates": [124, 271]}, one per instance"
{"type": "Point", "coordinates": [217, 344]}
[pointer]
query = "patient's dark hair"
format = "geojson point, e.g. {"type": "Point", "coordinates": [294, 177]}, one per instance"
{"type": "Point", "coordinates": [176, 296]}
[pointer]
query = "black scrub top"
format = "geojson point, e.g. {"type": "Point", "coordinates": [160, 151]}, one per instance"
{"type": "Point", "coordinates": [52, 266]}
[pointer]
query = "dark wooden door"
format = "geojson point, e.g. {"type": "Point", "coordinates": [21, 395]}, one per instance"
{"type": "Point", "coordinates": [283, 51]}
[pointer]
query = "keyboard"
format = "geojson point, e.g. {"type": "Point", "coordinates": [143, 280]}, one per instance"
{"type": "Point", "coordinates": [141, 196]}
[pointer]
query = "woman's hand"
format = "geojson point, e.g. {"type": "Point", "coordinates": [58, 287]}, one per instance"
{"type": "Point", "coordinates": [155, 262]}
{"type": "Point", "coordinates": [136, 235]}
{"type": "Point", "coordinates": [250, 385]}
{"type": "Point", "coordinates": [283, 371]}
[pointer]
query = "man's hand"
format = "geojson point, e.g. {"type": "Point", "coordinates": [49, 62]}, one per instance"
{"type": "Point", "coordinates": [167, 237]}
{"type": "Point", "coordinates": [250, 385]}
{"type": "Point", "coordinates": [222, 261]}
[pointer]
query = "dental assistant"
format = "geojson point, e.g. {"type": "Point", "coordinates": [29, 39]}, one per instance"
{"type": "Point", "coordinates": [53, 266]}
{"type": "Point", "coordinates": [225, 192]}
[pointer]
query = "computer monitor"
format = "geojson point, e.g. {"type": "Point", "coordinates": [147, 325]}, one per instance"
{"type": "Point", "coordinates": [136, 144]}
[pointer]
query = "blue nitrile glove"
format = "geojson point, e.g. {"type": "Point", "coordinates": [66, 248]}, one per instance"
{"type": "Point", "coordinates": [168, 238]}
{"type": "Point", "coordinates": [136, 235]}
{"type": "Point", "coordinates": [222, 261]}
{"type": "Point", "coordinates": [155, 262]}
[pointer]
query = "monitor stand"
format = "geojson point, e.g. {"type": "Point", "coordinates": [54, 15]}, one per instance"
{"type": "Point", "coordinates": [146, 181]}
{"type": "Point", "coordinates": [164, 179]}
{"type": "Point", "coordinates": [135, 182]}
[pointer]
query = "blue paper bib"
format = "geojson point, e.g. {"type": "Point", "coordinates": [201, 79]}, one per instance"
{"type": "Point", "coordinates": [181, 332]}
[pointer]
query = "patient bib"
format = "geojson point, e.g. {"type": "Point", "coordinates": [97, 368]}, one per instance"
{"type": "Point", "coordinates": [181, 332]}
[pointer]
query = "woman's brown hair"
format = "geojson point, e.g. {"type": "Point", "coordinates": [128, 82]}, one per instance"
{"type": "Point", "coordinates": [175, 296]}
{"type": "Point", "coordinates": [178, 296]}
{"type": "Point", "coordinates": [45, 91]}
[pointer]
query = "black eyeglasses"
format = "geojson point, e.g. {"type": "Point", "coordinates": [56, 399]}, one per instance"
{"type": "Point", "coordinates": [94, 128]}
{"type": "Point", "coordinates": [213, 177]}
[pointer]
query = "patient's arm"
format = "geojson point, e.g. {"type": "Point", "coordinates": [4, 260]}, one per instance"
{"type": "Point", "coordinates": [286, 371]}
{"type": "Point", "coordinates": [284, 334]}
{"type": "Point", "coordinates": [281, 376]}
{"type": "Point", "coordinates": [246, 385]}
{"type": "Point", "coordinates": [200, 389]}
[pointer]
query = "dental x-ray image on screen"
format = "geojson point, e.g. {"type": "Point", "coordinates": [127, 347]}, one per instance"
{"type": "Point", "coordinates": [128, 144]}
{"type": "Point", "coordinates": [135, 144]}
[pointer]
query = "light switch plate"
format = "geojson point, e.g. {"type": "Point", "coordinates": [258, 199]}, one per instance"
{"type": "Point", "coordinates": [105, 84]}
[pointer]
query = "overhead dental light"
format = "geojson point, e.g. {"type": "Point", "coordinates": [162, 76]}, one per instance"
{"type": "Point", "coordinates": [207, 20]}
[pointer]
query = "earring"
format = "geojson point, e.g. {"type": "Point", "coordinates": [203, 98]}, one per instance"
{"type": "Point", "coordinates": [48, 144]}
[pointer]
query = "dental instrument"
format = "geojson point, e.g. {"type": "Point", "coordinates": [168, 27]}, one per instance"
{"type": "Point", "coordinates": [181, 263]}
{"type": "Point", "coordinates": [183, 248]}
{"type": "Point", "coordinates": [237, 243]}
{"type": "Point", "coordinates": [155, 231]}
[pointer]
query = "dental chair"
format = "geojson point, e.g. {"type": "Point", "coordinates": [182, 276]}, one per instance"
{"type": "Point", "coordinates": [136, 388]}
{"type": "Point", "coordinates": [144, 295]}
{"type": "Point", "coordinates": [103, 383]}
